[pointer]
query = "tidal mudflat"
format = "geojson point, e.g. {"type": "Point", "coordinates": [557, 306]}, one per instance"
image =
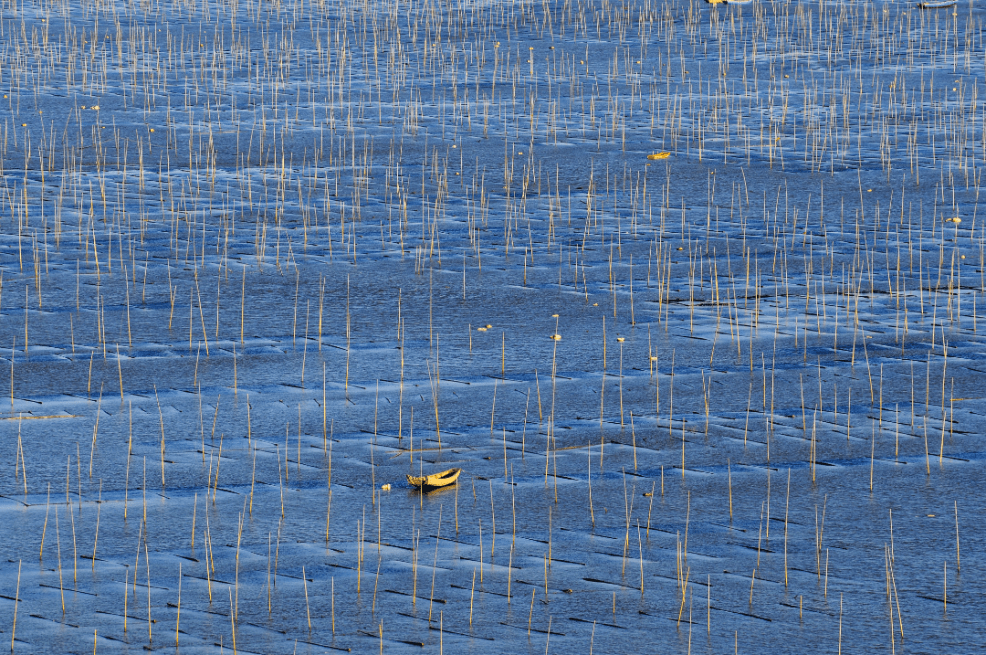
{"type": "Point", "coordinates": [688, 291]}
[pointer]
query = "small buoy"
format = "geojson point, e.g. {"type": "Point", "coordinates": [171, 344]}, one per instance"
{"type": "Point", "coordinates": [488, 326]}
{"type": "Point", "coordinates": [648, 494]}
{"type": "Point", "coordinates": [653, 358]}
{"type": "Point", "coordinates": [480, 329]}
{"type": "Point", "coordinates": [386, 487]}
{"type": "Point", "coordinates": [962, 256]}
{"type": "Point", "coordinates": [680, 248]}
{"type": "Point", "coordinates": [94, 107]}
{"type": "Point", "coordinates": [620, 339]}
{"type": "Point", "coordinates": [659, 155]}
{"type": "Point", "coordinates": [556, 337]}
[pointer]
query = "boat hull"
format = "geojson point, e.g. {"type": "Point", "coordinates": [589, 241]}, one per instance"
{"type": "Point", "coordinates": [436, 480]}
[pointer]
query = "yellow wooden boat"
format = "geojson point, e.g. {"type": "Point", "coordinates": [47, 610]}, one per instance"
{"type": "Point", "coordinates": [435, 480]}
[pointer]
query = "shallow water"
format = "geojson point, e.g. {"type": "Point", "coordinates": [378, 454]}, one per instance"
{"type": "Point", "coordinates": [276, 256]}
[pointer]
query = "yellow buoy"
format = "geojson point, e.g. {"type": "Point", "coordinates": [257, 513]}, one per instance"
{"type": "Point", "coordinates": [659, 155]}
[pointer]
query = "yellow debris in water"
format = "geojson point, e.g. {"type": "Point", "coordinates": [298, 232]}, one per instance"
{"type": "Point", "coordinates": [556, 337]}
{"type": "Point", "coordinates": [659, 155]}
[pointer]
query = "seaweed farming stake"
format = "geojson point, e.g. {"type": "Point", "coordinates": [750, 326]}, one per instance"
{"type": "Point", "coordinates": [178, 615]}
{"type": "Point", "coordinates": [17, 595]}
